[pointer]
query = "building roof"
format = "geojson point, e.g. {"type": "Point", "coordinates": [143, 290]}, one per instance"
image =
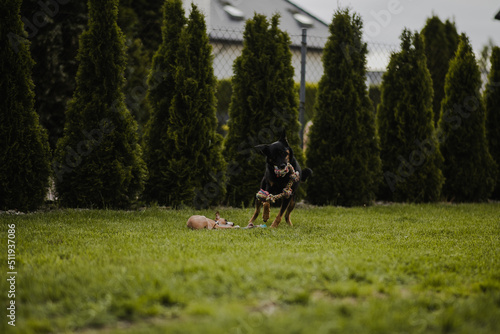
{"type": "Point", "coordinates": [231, 15]}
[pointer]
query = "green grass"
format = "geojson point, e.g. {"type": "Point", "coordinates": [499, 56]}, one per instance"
{"type": "Point", "coordinates": [382, 269]}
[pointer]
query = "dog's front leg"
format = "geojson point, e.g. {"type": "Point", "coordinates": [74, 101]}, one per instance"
{"type": "Point", "coordinates": [289, 211]}
{"type": "Point", "coordinates": [284, 206]}
{"type": "Point", "coordinates": [266, 213]}
{"type": "Point", "coordinates": [258, 205]}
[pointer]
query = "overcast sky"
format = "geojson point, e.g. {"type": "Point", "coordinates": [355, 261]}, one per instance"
{"type": "Point", "coordinates": [384, 20]}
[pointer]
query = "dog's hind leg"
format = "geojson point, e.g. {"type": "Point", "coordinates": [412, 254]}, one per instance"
{"type": "Point", "coordinates": [289, 211]}
{"type": "Point", "coordinates": [284, 205]}
{"type": "Point", "coordinates": [258, 205]}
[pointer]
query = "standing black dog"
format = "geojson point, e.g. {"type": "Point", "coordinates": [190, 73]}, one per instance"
{"type": "Point", "coordinates": [276, 178]}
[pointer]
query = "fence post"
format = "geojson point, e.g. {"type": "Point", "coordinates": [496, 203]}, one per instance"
{"type": "Point", "coordinates": [302, 95]}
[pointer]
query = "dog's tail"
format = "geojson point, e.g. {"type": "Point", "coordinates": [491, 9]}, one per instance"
{"type": "Point", "coordinates": [306, 173]}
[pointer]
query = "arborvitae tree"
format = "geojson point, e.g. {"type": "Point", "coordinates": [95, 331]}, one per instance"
{"type": "Point", "coordinates": [343, 148]}
{"type": "Point", "coordinates": [158, 147]}
{"type": "Point", "coordinates": [440, 40]}
{"type": "Point", "coordinates": [98, 160]}
{"type": "Point", "coordinates": [196, 166]}
{"type": "Point", "coordinates": [53, 28]}
{"type": "Point", "coordinates": [469, 169]}
{"type": "Point", "coordinates": [452, 38]}
{"type": "Point", "coordinates": [24, 148]}
{"type": "Point", "coordinates": [263, 104]}
{"type": "Point", "coordinates": [410, 154]}
{"type": "Point", "coordinates": [149, 14]}
{"type": "Point", "coordinates": [492, 104]}
{"type": "Point", "coordinates": [138, 63]}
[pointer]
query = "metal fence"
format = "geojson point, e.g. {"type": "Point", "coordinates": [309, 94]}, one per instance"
{"type": "Point", "coordinates": [228, 44]}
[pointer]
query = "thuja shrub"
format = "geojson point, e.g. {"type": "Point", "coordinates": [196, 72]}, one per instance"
{"type": "Point", "coordinates": [158, 146]}
{"type": "Point", "coordinates": [492, 105]}
{"type": "Point", "coordinates": [411, 159]}
{"type": "Point", "coordinates": [24, 147]}
{"type": "Point", "coordinates": [469, 168]}
{"type": "Point", "coordinates": [98, 161]}
{"type": "Point", "coordinates": [343, 148]}
{"type": "Point", "coordinates": [196, 162]}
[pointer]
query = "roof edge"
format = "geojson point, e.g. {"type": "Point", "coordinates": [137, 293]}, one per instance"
{"type": "Point", "coordinates": [307, 12]}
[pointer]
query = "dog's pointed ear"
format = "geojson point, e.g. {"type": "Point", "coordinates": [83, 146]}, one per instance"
{"type": "Point", "coordinates": [283, 138]}
{"type": "Point", "coordinates": [217, 216]}
{"type": "Point", "coordinates": [262, 149]}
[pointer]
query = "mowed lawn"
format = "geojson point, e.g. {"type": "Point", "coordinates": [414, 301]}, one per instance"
{"type": "Point", "coordinates": [382, 269]}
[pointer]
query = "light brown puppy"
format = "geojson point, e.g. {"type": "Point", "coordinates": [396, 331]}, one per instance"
{"type": "Point", "coordinates": [197, 222]}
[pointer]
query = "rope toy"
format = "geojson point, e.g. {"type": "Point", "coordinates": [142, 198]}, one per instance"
{"type": "Point", "coordinates": [287, 191]}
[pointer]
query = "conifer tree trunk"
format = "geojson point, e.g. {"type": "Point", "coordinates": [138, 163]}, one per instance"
{"type": "Point", "coordinates": [469, 169]}
{"type": "Point", "coordinates": [98, 160]}
{"type": "Point", "coordinates": [343, 148]}
{"type": "Point", "coordinates": [24, 148]}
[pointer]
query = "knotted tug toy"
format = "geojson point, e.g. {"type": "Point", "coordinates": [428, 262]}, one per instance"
{"type": "Point", "coordinates": [287, 191]}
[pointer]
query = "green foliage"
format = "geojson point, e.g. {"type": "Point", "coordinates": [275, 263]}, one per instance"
{"type": "Point", "coordinates": [383, 269]}
{"type": "Point", "coordinates": [184, 151]}
{"type": "Point", "coordinates": [98, 160]}
{"type": "Point", "coordinates": [196, 161]}
{"type": "Point", "coordinates": [343, 148]}
{"type": "Point", "coordinates": [263, 104]}
{"type": "Point", "coordinates": [375, 95]}
{"type": "Point", "coordinates": [138, 63]}
{"type": "Point", "coordinates": [469, 169]}
{"type": "Point", "coordinates": [410, 153]}
{"type": "Point", "coordinates": [492, 105]}
{"type": "Point", "coordinates": [53, 28]}
{"type": "Point", "coordinates": [24, 147]}
{"type": "Point", "coordinates": [158, 146]}
{"type": "Point", "coordinates": [441, 41]}
{"type": "Point", "coordinates": [149, 21]}
{"type": "Point", "coordinates": [53, 33]}
{"type": "Point", "coordinates": [223, 95]}
{"type": "Point", "coordinates": [311, 93]}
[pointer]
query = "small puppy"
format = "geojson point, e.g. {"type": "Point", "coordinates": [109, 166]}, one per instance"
{"type": "Point", "coordinates": [197, 222]}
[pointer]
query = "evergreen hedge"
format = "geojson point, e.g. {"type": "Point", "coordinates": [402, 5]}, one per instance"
{"type": "Point", "coordinates": [469, 169]}
{"type": "Point", "coordinates": [223, 95]}
{"type": "Point", "coordinates": [374, 94]}
{"type": "Point", "coordinates": [24, 147]}
{"type": "Point", "coordinates": [492, 105]}
{"type": "Point", "coordinates": [196, 162]}
{"type": "Point", "coordinates": [54, 47]}
{"type": "Point", "coordinates": [98, 160]}
{"type": "Point", "coordinates": [158, 146]}
{"type": "Point", "coordinates": [410, 153]}
{"type": "Point", "coordinates": [343, 148]}
{"type": "Point", "coordinates": [263, 104]}
{"type": "Point", "coordinates": [183, 148]}
{"type": "Point", "coordinates": [440, 41]}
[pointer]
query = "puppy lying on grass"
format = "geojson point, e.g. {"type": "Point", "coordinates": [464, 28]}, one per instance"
{"type": "Point", "coordinates": [200, 222]}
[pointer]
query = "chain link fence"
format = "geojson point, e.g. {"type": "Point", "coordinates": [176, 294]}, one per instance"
{"type": "Point", "coordinates": [228, 44]}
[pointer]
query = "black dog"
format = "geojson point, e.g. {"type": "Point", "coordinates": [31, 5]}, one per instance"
{"type": "Point", "coordinates": [277, 177]}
